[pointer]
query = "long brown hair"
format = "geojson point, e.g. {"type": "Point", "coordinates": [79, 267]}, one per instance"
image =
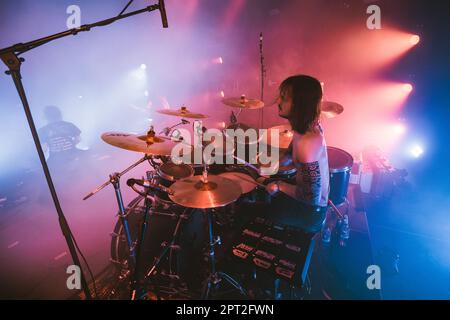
{"type": "Point", "coordinates": [306, 93]}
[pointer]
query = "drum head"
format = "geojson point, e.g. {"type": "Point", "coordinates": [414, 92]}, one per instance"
{"type": "Point", "coordinates": [339, 160]}
{"type": "Point", "coordinates": [173, 172]}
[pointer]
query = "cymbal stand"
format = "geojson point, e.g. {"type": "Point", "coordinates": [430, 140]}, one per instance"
{"type": "Point", "coordinates": [215, 277]}
{"type": "Point", "coordinates": [168, 249]}
{"type": "Point", "coordinates": [120, 174]}
{"type": "Point", "coordinates": [114, 179]}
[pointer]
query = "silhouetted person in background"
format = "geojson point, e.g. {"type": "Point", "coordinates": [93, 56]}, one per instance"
{"type": "Point", "coordinates": [59, 137]}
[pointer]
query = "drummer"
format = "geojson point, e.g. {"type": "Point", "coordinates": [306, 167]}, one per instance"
{"type": "Point", "coordinates": [302, 204]}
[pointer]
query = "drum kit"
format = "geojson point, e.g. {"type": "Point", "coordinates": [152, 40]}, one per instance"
{"type": "Point", "coordinates": [157, 234]}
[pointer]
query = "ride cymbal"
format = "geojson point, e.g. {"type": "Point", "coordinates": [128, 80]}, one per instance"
{"type": "Point", "coordinates": [182, 112]}
{"type": "Point", "coordinates": [151, 145]}
{"type": "Point", "coordinates": [243, 103]}
{"type": "Point", "coordinates": [331, 109]}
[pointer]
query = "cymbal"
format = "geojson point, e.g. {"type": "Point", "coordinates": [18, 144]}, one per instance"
{"type": "Point", "coordinates": [331, 109]}
{"type": "Point", "coordinates": [156, 145]}
{"type": "Point", "coordinates": [243, 103]}
{"type": "Point", "coordinates": [182, 112]}
{"type": "Point", "coordinates": [244, 180]}
{"type": "Point", "coordinates": [193, 192]}
{"type": "Point", "coordinates": [285, 135]}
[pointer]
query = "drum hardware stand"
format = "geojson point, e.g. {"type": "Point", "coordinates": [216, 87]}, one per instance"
{"type": "Point", "coordinates": [234, 116]}
{"type": "Point", "coordinates": [118, 175]}
{"type": "Point", "coordinates": [342, 219]}
{"type": "Point", "coordinates": [135, 292]}
{"type": "Point", "coordinates": [166, 131]}
{"type": "Point", "coordinates": [336, 210]}
{"type": "Point", "coordinates": [169, 248]}
{"type": "Point", "coordinates": [114, 179]}
{"type": "Point", "coordinates": [215, 277]}
{"type": "Point", "coordinates": [263, 76]}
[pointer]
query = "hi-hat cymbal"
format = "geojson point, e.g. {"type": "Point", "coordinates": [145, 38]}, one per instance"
{"type": "Point", "coordinates": [283, 133]}
{"type": "Point", "coordinates": [182, 112]}
{"type": "Point", "coordinates": [243, 103]}
{"type": "Point", "coordinates": [156, 145]}
{"type": "Point", "coordinates": [193, 192]}
{"type": "Point", "coordinates": [331, 109]}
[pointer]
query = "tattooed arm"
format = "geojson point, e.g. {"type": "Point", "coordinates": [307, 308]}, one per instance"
{"type": "Point", "coordinates": [308, 180]}
{"type": "Point", "coordinates": [308, 186]}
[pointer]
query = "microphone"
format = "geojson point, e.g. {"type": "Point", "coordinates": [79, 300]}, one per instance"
{"type": "Point", "coordinates": [147, 184]}
{"type": "Point", "coordinates": [162, 9]}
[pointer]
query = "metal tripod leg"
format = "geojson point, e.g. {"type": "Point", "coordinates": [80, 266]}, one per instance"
{"type": "Point", "coordinates": [215, 277]}
{"type": "Point", "coordinates": [115, 180]}
{"type": "Point", "coordinates": [142, 232]}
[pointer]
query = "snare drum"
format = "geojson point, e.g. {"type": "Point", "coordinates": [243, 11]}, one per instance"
{"type": "Point", "coordinates": [340, 163]}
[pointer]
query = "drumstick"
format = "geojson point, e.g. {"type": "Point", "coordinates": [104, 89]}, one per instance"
{"type": "Point", "coordinates": [247, 164]}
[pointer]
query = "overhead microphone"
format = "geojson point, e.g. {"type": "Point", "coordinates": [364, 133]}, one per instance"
{"type": "Point", "coordinates": [162, 9]}
{"type": "Point", "coordinates": [147, 184]}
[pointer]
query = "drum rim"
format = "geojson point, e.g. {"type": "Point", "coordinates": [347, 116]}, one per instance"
{"type": "Point", "coordinates": [346, 168]}
{"type": "Point", "coordinates": [172, 178]}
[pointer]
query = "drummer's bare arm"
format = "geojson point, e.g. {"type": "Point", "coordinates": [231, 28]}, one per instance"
{"type": "Point", "coordinates": [308, 178]}
{"type": "Point", "coordinates": [308, 187]}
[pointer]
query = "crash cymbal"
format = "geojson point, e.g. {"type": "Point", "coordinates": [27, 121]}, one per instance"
{"type": "Point", "coordinates": [151, 145]}
{"type": "Point", "coordinates": [193, 192]}
{"type": "Point", "coordinates": [284, 134]}
{"type": "Point", "coordinates": [331, 109]}
{"type": "Point", "coordinates": [182, 112]}
{"type": "Point", "coordinates": [246, 182]}
{"type": "Point", "coordinates": [243, 103]}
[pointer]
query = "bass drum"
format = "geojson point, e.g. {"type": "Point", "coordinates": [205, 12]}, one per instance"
{"type": "Point", "coordinates": [187, 262]}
